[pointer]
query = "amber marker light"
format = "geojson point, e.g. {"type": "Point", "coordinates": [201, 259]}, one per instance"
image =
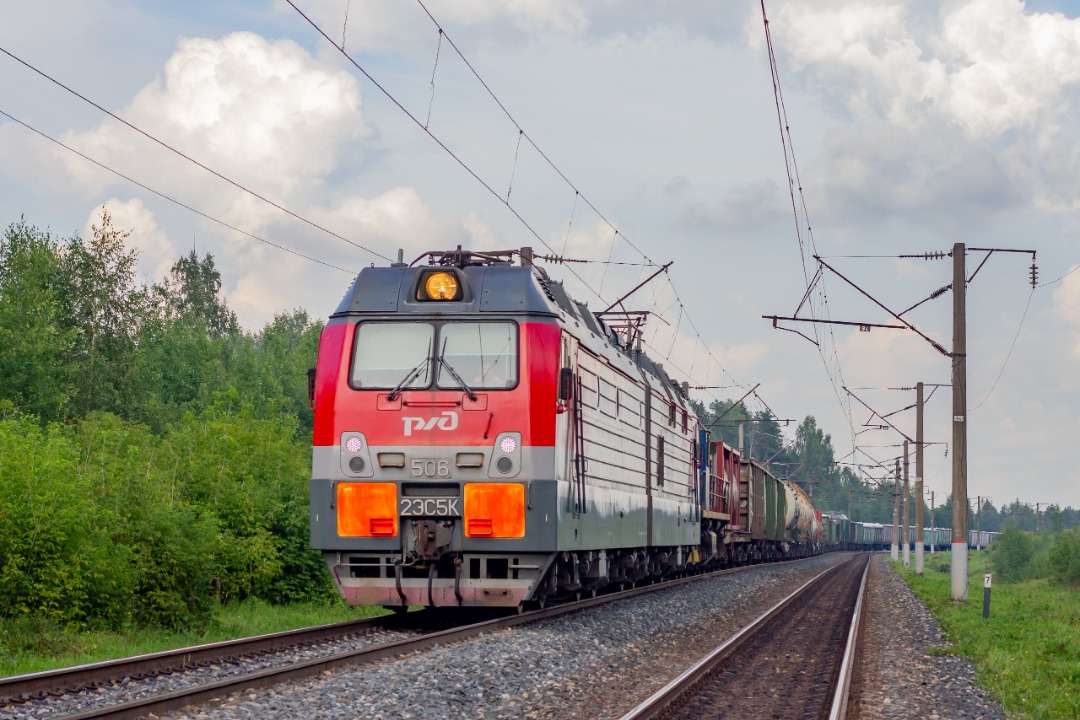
{"type": "Point", "coordinates": [494, 510]}
{"type": "Point", "coordinates": [367, 510]}
{"type": "Point", "coordinates": [441, 286]}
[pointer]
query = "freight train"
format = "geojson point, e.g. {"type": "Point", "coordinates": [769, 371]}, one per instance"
{"type": "Point", "coordinates": [483, 439]}
{"type": "Point", "coordinates": [840, 533]}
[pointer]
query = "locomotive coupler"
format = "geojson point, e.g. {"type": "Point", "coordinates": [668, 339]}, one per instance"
{"type": "Point", "coordinates": [428, 539]}
{"type": "Point", "coordinates": [457, 579]}
{"type": "Point", "coordinates": [397, 583]}
{"type": "Point", "coordinates": [430, 580]}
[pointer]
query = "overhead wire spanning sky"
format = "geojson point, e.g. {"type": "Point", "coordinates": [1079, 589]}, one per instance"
{"type": "Point", "coordinates": [917, 125]}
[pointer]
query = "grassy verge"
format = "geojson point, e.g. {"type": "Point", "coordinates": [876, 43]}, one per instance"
{"type": "Point", "coordinates": [1027, 653]}
{"type": "Point", "coordinates": [30, 646]}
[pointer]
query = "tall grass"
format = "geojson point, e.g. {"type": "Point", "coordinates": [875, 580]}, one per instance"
{"type": "Point", "coordinates": [1027, 653]}
{"type": "Point", "coordinates": [30, 645]}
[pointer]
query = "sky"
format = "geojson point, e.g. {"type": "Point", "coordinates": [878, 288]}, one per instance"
{"type": "Point", "coordinates": [627, 133]}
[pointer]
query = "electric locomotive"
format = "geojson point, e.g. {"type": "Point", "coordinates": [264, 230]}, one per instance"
{"type": "Point", "coordinates": [483, 439]}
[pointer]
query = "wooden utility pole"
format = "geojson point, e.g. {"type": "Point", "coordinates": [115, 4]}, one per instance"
{"type": "Point", "coordinates": [896, 513]}
{"type": "Point", "coordinates": [919, 478]}
{"type": "Point", "coordinates": [1037, 516]}
{"type": "Point", "coordinates": [906, 534]}
{"type": "Point", "coordinates": [959, 558]}
{"type": "Point", "coordinates": [978, 523]}
{"type": "Point", "coordinates": [958, 356]}
{"type": "Point", "coordinates": [933, 544]}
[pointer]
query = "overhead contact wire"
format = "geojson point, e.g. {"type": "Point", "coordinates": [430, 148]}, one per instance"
{"type": "Point", "coordinates": [190, 159]}
{"type": "Point", "coordinates": [163, 196]}
{"type": "Point", "coordinates": [465, 166]}
{"type": "Point", "coordinates": [555, 167]}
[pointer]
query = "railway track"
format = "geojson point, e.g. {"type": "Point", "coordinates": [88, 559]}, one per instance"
{"type": "Point", "coordinates": [68, 680]}
{"type": "Point", "coordinates": [795, 661]}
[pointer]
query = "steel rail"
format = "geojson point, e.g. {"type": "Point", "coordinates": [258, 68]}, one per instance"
{"type": "Point", "coordinates": [664, 698]}
{"type": "Point", "coordinates": [158, 704]}
{"type": "Point", "coordinates": [21, 688]}
{"type": "Point", "coordinates": [838, 711]}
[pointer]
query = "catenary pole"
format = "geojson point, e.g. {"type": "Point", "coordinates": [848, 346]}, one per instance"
{"type": "Point", "coordinates": [896, 513]}
{"type": "Point", "coordinates": [905, 535]}
{"type": "Point", "coordinates": [919, 479]}
{"type": "Point", "coordinates": [978, 524]}
{"type": "Point", "coordinates": [932, 548]}
{"type": "Point", "coordinates": [959, 558]}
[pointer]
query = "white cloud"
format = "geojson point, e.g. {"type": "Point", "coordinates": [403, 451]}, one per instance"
{"type": "Point", "coordinates": [1067, 307]}
{"type": "Point", "coordinates": [1007, 67]}
{"type": "Point", "coordinates": [377, 25]}
{"type": "Point", "coordinates": [398, 218]}
{"type": "Point", "coordinates": [157, 252]}
{"type": "Point", "coordinates": [988, 65]}
{"type": "Point", "coordinates": [262, 113]}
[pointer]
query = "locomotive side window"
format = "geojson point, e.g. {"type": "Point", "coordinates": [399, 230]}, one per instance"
{"type": "Point", "coordinates": [484, 354]}
{"type": "Point", "coordinates": [391, 353]}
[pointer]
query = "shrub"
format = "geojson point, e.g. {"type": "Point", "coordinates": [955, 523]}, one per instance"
{"type": "Point", "coordinates": [1064, 558]}
{"type": "Point", "coordinates": [56, 557]}
{"type": "Point", "coordinates": [1012, 555]}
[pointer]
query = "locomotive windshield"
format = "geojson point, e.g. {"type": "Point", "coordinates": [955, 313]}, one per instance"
{"type": "Point", "coordinates": [484, 355]}
{"type": "Point", "coordinates": [388, 353]}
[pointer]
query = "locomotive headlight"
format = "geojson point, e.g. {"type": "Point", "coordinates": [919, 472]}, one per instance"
{"type": "Point", "coordinates": [354, 457]}
{"type": "Point", "coordinates": [367, 509]}
{"type": "Point", "coordinates": [441, 286]}
{"type": "Point", "coordinates": [494, 510]}
{"type": "Point", "coordinates": [506, 456]}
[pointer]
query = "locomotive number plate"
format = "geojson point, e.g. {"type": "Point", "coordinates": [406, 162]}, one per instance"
{"type": "Point", "coordinates": [431, 507]}
{"type": "Point", "coordinates": [423, 467]}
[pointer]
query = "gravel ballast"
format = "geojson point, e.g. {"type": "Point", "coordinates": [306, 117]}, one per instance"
{"type": "Point", "coordinates": [598, 663]}
{"type": "Point", "coordinates": [898, 675]}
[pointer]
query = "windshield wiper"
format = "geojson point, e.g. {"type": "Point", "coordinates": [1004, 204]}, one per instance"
{"type": "Point", "coordinates": [411, 375]}
{"type": "Point", "coordinates": [453, 373]}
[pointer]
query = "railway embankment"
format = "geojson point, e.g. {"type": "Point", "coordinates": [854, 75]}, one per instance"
{"type": "Point", "coordinates": [906, 667]}
{"type": "Point", "coordinates": [1026, 654]}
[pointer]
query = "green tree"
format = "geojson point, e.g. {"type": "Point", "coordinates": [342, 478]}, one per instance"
{"type": "Point", "coordinates": [35, 340]}
{"type": "Point", "coordinates": [193, 289]}
{"type": "Point", "coordinates": [1020, 514]}
{"type": "Point", "coordinates": [105, 309]}
{"type": "Point", "coordinates": [991, 518]}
